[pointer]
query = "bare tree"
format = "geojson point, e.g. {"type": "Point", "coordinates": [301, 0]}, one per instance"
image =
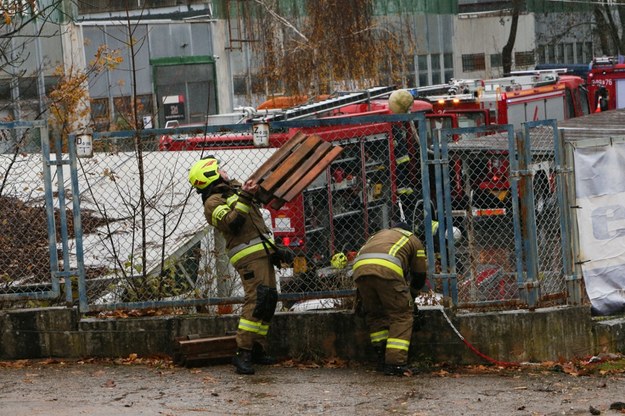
{"type": "Point", "coordinates": [506, 53]}
{"type": "Point", "coordinates": [311, 48]}
{"type": "Point", "coordinates": [610, 21]}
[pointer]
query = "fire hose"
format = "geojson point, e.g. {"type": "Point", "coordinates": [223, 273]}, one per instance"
{"type": "Point", "coordinates": [471, 347]}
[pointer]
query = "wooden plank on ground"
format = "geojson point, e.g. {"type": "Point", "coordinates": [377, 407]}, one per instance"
{"type": "Point", "coordinates": [193, 350]}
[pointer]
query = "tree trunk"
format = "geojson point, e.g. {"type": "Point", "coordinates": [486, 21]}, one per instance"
{"type": "Point", "coordinates": [602, 31]}
{"type": "Point", "coordinates": [506, 53]}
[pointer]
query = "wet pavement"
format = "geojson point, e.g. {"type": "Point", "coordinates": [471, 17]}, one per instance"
{"type": "Point", "coordinates": [131, 387]}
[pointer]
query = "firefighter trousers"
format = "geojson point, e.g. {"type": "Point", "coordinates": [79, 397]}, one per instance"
{"type": "Point", "coordinates": [388, 313]}
{"type": "Point", "coordinates": [259, 304]}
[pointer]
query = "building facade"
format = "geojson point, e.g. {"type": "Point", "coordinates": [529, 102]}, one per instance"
{"type": "Point", "coordinates": [186, 60]}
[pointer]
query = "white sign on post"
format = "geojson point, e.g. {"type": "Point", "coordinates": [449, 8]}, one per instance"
{"type": "Point", "coordinates": [84, 145]}
{"type": "Point", "coordinates": [260, 134]}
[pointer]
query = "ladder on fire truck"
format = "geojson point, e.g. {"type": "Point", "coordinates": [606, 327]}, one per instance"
{"type": "Point", "coordinates": [463, 88]}
{"type": "Point", "coordinates": [519, 80]}
{"type": "Point", "coordinates": [325, 105]}
{"type": "Point", "coordinates": [453, 87]}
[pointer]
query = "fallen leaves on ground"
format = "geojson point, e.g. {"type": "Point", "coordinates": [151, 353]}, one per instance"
{"type": "Point", "coordinates": [137, 313]}
{"type": "Point", "coordinates": [306, 364]}
{"type": "Point", "coordinates": [159, 361]}
{"type": "Point", "coordinates": [599, 365]}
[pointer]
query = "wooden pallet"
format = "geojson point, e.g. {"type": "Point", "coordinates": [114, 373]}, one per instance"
{"type": "Point", "coordinates": [196, 350]}
{"type": "Point", "coordinates": [292, 168]}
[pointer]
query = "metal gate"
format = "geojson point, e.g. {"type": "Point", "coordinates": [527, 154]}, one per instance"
{"type": "Point", "coordinates": [498, 196]}
{"type": "Point", "coordinates": [36, 259]}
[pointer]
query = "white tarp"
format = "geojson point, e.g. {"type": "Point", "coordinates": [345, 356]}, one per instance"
{"type": "Point", "coordinates": [600, 196]}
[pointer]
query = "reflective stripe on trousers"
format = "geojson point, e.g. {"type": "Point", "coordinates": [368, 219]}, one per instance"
{"type": "Point", "coordinates": [254, 327]}
{"type": "Point", "coordinates": [379, 336]}
{"type": "Point", "coordinates": [396, 343]}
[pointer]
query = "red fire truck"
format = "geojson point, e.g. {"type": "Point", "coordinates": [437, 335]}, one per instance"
{"type": "Point", "coordinates": [380, 163]}
{"type": "Point", "coordinates": [606, 84]}
{"type": "Point", "coordinates": [358, 193]}
{"type": "Point", "coordinates": [521, 97]}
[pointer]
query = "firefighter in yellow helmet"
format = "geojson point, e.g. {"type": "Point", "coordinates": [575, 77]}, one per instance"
{"type": "Point", "coordinates": [388, 271]}
{"type": "Point", "coordinates": [230, 207]}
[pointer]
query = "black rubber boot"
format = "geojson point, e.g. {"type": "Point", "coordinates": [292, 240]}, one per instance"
{"type": "Point", "coordinates": [399, 370]}
{"type": "Point", "coordinates": [380, 352]}
{"type": "Point", "coordinates": [242, 362]}
{"type": "Point", "coordinates": [259, 356]}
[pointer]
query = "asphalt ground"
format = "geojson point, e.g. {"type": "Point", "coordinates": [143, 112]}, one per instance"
{"type": "Point", "coordinates": [138, 386]}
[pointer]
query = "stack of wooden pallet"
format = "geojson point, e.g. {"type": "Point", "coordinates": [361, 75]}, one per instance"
{"type": "Point", "coordinates": [292, 168]}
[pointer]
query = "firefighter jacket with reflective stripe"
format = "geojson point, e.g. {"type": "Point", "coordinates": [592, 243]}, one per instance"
{"type": "Point", "coordinates": [390, 254]}
{"type": "Point", "coordinates": [239, 219]}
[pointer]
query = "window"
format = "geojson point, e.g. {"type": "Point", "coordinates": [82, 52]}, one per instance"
{"type": "Point", "coordinates": [449, 74]}
{"type": "Point", "coordinates": [436, 68]}
{"type": "Point", "coordinates": [568, 53]}
{"type": "Point", "coordinates": [551, 54]}
{"type": "Point", "coordinates": [5, 89]}
{"type": "Point", "coordinates": [448, 61]}
{"type": "Point", "coordinates": [28, 87]}
{"type": "Point", "coordinates": [542, 55]}
{"type": "Point", "coordinates": [410, 63]}
{"type": "Point", "coordinates": [192, 78]}
{"type": "Point", "coordinates": [100, 108]}
{"type": "Point", "coordinates": [239, 85]}
{"type": "Point", "coordinates": [100, 114]}
{"type": "Point", "coordinates": [559, 53]}
{"type": "Point", "coordinates": [423, 79]}
{"type": "Point", "coordinates": [422, 65]}
{"type": "Point", "coordinates": [448, 66]}
{"type": "Point", "coordinates": [587, 52]}
{"type": "Point", "coordinates": [495, 60]}
{"type": "Point", "coordinates": [473, 62]}
{"type": "Point", "coordinates": [436, 77]}
{"type": "Point", "coordinates": [524, 58]}
{"type": "Point", "coordinates": [121, 108]}
{"type": "Point", "coordinates": [579, 53]}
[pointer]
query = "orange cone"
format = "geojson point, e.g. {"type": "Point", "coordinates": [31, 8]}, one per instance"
{"type": "Point", "coordinates": [598, 109]}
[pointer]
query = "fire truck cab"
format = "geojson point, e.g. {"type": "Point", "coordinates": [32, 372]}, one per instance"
{"type": "Point", "coordinates": [521, 97]}
{"type": "Point", "coordinates": [606, 84]}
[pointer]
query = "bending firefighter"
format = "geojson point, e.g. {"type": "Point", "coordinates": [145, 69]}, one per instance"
{"type": "Point", "coordinates": [231, 209]}
{"type": "Point", "coordinates": [382, 269]}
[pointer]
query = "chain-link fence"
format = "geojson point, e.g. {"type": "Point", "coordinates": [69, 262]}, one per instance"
{"type": "Point", "coordinates": [151, 244]}
{"type": "Point", "coordinates": [143, 240]}
{"type": "Point", "coordinates": [506, 215]}
{"type": "Point", "coordinates": [25, 258]}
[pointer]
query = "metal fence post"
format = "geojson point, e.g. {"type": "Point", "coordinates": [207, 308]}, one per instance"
{"type": "Point", "coordinates": [529, 290]}
{"type": "Point", "coordinates": [564, 170]}
{"type": "Point", "coordinates": [78, 234]}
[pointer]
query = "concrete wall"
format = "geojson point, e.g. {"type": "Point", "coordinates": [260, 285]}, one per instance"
{"type": "Point", "coordinates": [515, 336]}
